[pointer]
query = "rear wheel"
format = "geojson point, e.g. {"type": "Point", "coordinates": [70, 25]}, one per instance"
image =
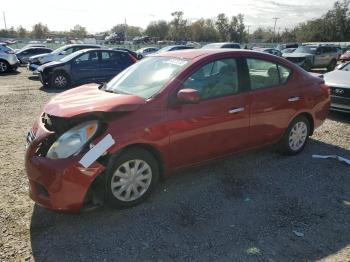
{"type": "Point", "coordinates": [294, 140]}
{"type": "Point", "coordinates": [4, 66]}
{"type": "Point", "coordinates": [332, 65]}
{"type": "Point", "coordinates": [60, 80]}
{"type": "Point", "coordinates": [131, 177]}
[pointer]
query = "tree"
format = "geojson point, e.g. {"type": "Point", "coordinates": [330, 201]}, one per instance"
{"type": "Point", "coordinates": [178, 26]}
{"type": "Point", "coordinates": [158, 29]}
{"type": "Point", "coordinates": [223, 27]}
{"type": "Point", "coordinates": [78, 31]}
{"type": "Point", "coordinates": [22, 32]}
{"type": "Point", "coordinates": [39, 31]}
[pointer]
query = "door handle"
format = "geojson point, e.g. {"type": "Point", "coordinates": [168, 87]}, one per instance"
{"type": "Point", "coordinates": [293, 98]}
{"type": "Point", "coordinates": [236, 110]}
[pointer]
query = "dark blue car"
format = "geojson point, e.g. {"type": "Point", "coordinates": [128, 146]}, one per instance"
{"type": "Point", "coordinates": [84, 66]}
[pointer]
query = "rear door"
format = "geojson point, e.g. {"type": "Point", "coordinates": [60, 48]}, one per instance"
{"type": "Point", "coordinates": [274, 100]}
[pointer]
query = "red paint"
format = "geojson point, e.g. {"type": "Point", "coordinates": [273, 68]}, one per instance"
{"type": "Point", "coordinates": [183, 134]}
{"type": "Point", "coordinates": [345, 56]}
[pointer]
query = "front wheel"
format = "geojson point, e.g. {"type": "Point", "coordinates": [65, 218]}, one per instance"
{"type": "Point", "coordinates": [294, 140]}
{"type": "Point", "coordinates": [131, 177]}
{"type": "Point", "coordinates": [4, 66]}
{"type": "Point", "coordinates": [60, 80]}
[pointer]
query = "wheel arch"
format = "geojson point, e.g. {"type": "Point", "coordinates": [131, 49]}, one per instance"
{"type": "Point", "coordinates": [309, 117]}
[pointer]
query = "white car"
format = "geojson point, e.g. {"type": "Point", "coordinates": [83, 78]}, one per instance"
{"type": "Point", "coordinates": [38, 60]}
{"type": "Point", "coordinates": [8, 59]}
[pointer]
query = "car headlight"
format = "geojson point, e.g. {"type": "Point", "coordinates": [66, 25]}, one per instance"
{"type": "Point", "coordinates": [72, 142]}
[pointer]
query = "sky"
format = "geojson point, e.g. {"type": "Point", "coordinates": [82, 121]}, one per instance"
{"type": "Point", "coordinates": [102, 15]}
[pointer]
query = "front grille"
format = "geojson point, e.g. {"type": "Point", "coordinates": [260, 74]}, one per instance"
{"type": "Point", "coordinates": [296, 59]}
{"type": "Point", "coordinates": [340, 91]}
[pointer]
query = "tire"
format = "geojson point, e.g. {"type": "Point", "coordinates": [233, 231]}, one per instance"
{"type": "Point", "coordinates": [296, 136]}
{"type": "Point", "coordinates": [4, 66]}
{"type": "Point", "coordinates": [332, 65]}
{"type": "Point", "coordinates": [127, 188]}
{"type": "Point", "coordinates": [307, 66]}
{"type": "Point", "coordinates": [60, 80]}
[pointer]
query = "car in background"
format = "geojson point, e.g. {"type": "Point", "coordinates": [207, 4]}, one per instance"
{"type": "Point", "coordinates": [23, 55]}
{"type": "Point", "coordinates": [287, 46]}
{"type": "Point", "coordinates": [134, 54]}
{"type": "Point", "coordinates": [314, 56]}
{"type": "Point", "coordinates": [170, 48]}
{"type": "Point", "coordinates": [222, 45]}
{"type": "Point", "coordinates": [339, 82]}
{"type": "Point", "coordinates": [288, 50]}
{"type": "Point", "coordinates": [271, 51]}
{"type": "Point", "coordinates": [8, 59]}
{"type": "Point", "coordinates": [345, 57]}
{"type": "Point", "coordinates": [164, 113]}
{"type": "Point", "coordinates": [84, 66]}
{"type": "Point", "coordinates": [142, 52]}
{"type": "Point", "coordinates": [37, 60]}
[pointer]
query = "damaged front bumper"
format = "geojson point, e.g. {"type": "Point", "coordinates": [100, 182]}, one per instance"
{"type": "Point", "coordinates": [57, 184]}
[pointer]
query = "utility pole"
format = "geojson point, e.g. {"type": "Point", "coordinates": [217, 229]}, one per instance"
{"type": "Point", "coordinates": [3, 13]}
{"type": "Point", "coordinates": [248, 38]}
{"type": "Point", "coordinates": [274, 29]}
{"type": "Point", "coordinates": [126, 31]}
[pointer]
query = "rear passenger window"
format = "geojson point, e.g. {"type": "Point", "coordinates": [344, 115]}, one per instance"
{"type": "Point", "coordinates": [262, 73]}
{"type": "Point", "coordinates": [105, 56]}
{"type": "Point", "coordinates": [284, 73]}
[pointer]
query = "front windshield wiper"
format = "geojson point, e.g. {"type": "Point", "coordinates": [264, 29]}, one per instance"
{"type": "Point", "coordinates": [103, 87]}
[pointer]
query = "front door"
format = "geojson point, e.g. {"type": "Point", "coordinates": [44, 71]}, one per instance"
{"type": "Point", "coordinates": [218, 124]}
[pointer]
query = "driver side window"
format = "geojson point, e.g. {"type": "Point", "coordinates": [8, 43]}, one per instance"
{"type": "Point", "coordinates": [216, 79]}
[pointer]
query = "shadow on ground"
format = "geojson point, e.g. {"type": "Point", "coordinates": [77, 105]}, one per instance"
{"type": "Point", "coordinates": [244, 208]}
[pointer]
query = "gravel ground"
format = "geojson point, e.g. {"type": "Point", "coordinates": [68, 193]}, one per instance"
{"type": "Point", "coordinates": [258, 206]}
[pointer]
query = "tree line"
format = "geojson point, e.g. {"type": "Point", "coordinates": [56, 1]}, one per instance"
{"type": "Point", "coordinates": [333, 26]}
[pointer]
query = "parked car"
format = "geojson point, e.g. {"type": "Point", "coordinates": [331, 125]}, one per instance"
{"type": "Point", "coordinates": [314, 56]}
{"type": "Point", "coordinates": [271, 51]}
{"type": "Point", "coordinates": [84, 66]}
{"type": "Point", "coordinates": [345, 57]}
{"type": "Point", "coordinates": [134, 54]}
{"type": "Point", "coordinates": [288, 50]}
{"type": "Point", "coordinates": [142, 52]}
{"type": "Point", "coordinates": [8, 59]}
{"type": "Point", "coordinates": [222, 45]}
{"type": "Point", "coordinates": [174, 48]}
{"type": "Point", "coordinates": [37, 60]}
{"type": "Point", "coordinates": [339, 81]}
{"type": "Point", "coordinates": [24, 54]}
{"type": "Point", "coordinates": [282, 47]}
{"type": "Point", "coordinates": [165, 113]}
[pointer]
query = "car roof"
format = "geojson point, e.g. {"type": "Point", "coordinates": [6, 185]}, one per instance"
{"type": "Point", "coordinates": [195, 54]}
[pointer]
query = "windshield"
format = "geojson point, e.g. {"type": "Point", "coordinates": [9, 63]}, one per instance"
{"type": "Point", "coordinates": [147, 77]}
{"type": "Point", "coordinates": [60, 49]}
{"type": "Point", "coordinates": [306, 49]}
{"type": "Point", "coordinates": [72, 55]}
{"type": "Point", "coordinates": [164, 49]}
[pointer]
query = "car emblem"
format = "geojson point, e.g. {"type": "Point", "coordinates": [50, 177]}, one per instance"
{"type": "Point", "coordinates": [339, 91]}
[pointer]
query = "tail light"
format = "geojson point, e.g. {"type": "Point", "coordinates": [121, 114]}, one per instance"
{"type": "Point", "coordinates": [133, 59]}
{"type": "Point", "coordinates": [326, 88]}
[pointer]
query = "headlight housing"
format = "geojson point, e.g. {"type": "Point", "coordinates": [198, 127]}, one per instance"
{"type": "Point", "coordinates": [72, 142]}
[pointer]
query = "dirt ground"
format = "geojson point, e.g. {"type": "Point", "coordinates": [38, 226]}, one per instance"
{"type": "Point", "coordinates": [258, 206]}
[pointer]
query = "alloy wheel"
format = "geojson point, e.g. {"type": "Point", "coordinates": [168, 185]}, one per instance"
{"type": "Point", "coordinates": [3, 67]}
{"type": "Point", "coordinates": [131, 180]}
{"type": "Point", "coordinates": [60, 81]}
{"type": "Point", "coordinates": [297, 136]}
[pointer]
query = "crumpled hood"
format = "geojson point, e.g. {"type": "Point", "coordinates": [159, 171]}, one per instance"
{"type": "Point", "coordinates": [338, 78]}
{"type": "Point", "coordinates": [297, 55]}
{"type": "Point", "coordinates": [42, 56]}
{"type": "Point", "coordinates": [88, 99]}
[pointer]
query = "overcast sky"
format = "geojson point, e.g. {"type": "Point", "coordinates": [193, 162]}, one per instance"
{"type": "Point", "coordinates": [101, 15]}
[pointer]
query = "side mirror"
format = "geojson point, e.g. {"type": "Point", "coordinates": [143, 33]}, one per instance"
{"type": "Point", "coordinates": [62, 53]}
{"type": "Point", "coordinates": [188, 96]}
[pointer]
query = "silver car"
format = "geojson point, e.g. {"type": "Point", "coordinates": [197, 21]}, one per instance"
{"type": "Point", "coordinates": [8, 59]}
{"type": "Point", "coordinates": [339, 81]}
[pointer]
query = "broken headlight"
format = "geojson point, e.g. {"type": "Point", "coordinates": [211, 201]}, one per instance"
{"type": "Point", "coordinates": [72, 142]}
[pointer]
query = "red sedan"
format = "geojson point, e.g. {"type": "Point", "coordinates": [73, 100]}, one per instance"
{"type": "Point", "coordinates": [169, 111]}
{"type": "Point", "coordinates": [345, 57]}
